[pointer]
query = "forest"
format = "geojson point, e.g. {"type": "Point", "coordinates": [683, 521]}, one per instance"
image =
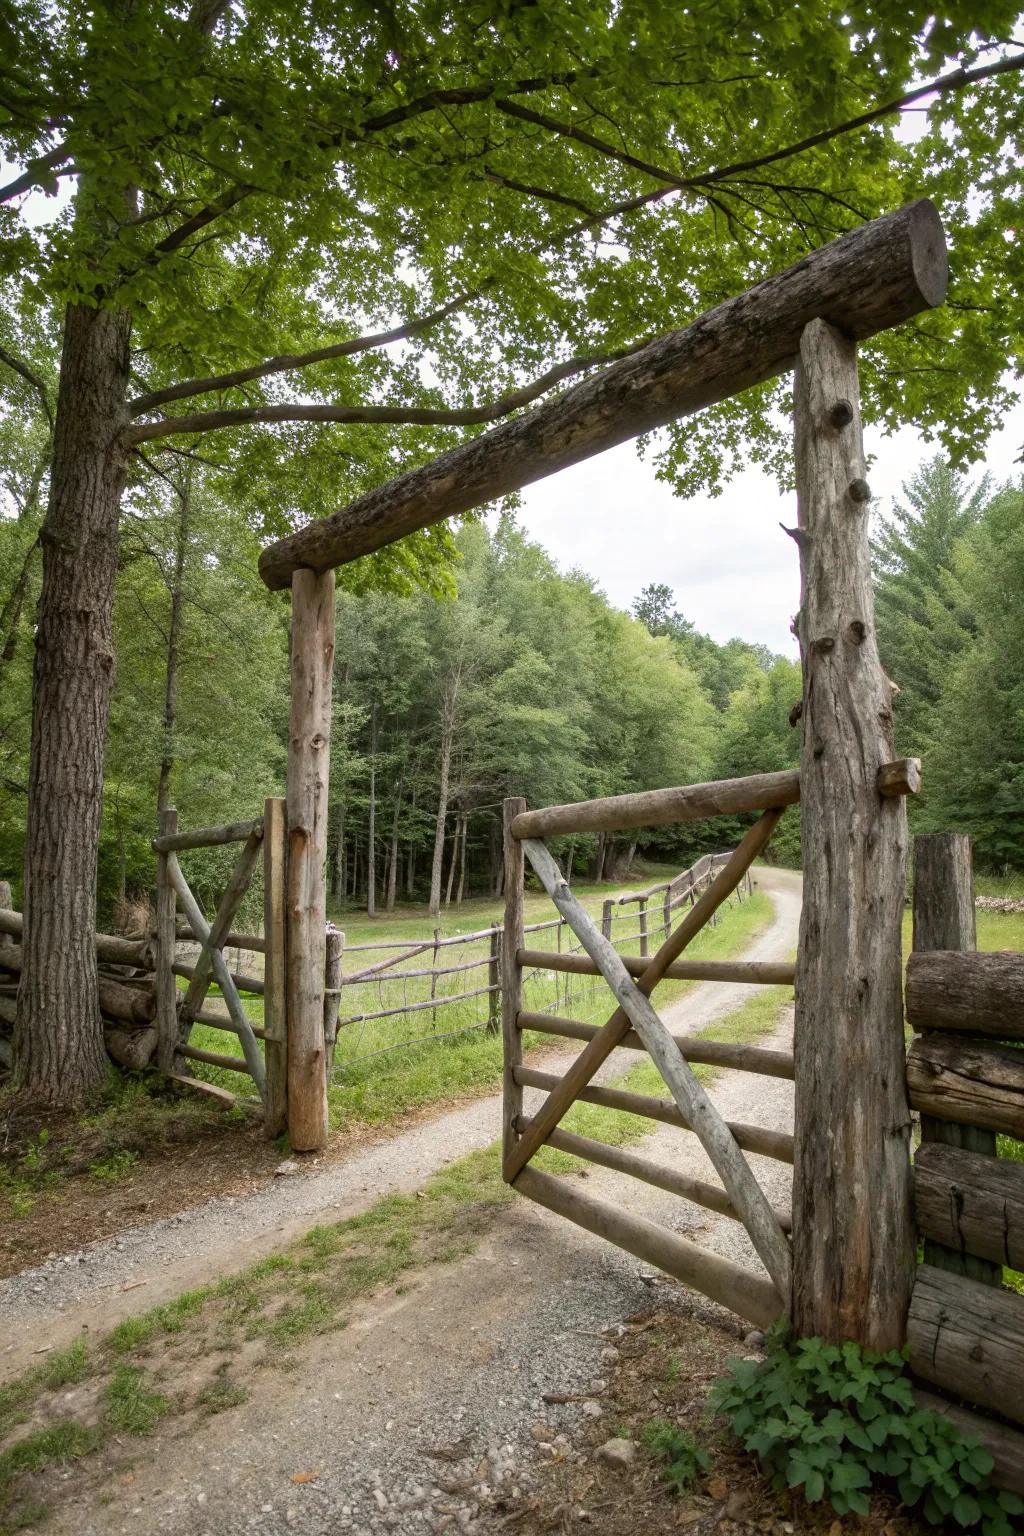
{"type": "Point", "coordinates": [511, 677]}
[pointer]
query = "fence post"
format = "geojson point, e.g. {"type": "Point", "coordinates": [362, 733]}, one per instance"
{"type": "Point", "coordinates": [642, 909]}
{"type": "Point", "coordinates": [167, 997]}
{"type": "Point", "coordinates": [668, 910]}
{"type": "Point", "coordinates": [944, 919]}
{"type": "Point", "coordinates": [853, 1234]}
{"type": "Point", "coordinates": [606, 919]}
{"type": "Point", "coordinates": [433, 978]}
{"type": "Point", "coordinates": [309, 734]}
{"type": "Point", "coordinates": [275, 1015]}
{"type": "Point", "coordinates": [333, 967]}
{"type": "Point", "coordinates": [511, 977]}
{"type": "Point", "coordinates": [494, 982]}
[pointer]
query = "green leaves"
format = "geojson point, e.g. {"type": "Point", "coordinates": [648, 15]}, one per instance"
{"type": "Point", "coordinates": [837, 1421]}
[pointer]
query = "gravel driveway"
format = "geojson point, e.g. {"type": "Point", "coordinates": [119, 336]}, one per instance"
{"type": "Point", "coordinates": [400, 1382]}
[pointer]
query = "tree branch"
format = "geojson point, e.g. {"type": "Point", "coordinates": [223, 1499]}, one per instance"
{"type": "Point", "coordinates": [399, 415]}
{"type": "Point", "coordinates": [36, 174]}
{"type": "Point", "coordinates": [30, 377]}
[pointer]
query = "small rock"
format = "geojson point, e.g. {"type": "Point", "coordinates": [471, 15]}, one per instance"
{"type": "Point", "coordinates": [617, 1453]}
{"type": "Point", "coordinates": [540, 1432]}
{"type": "Point", "coordinates": [591, 1409]}
{"type": "Point", "coordinates": [738, 1503]}
{"type": "Point", "coordinates": [611, 1355]}
{"type": "Point", "coordinates": [286, 1169]}
{"type": "Point", "coordinates": [380, 1498]}
{"type": "Point", "coordinates": [754, 1339]}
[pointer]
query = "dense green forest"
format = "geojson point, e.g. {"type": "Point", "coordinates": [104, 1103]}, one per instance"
{"type": "Point", "coordinates": [519, 679]}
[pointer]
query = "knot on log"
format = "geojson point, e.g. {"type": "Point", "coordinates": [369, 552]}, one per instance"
{"type": "Point", "coordinates": [796, 712]}
{"type": "Point", "coordinates": [823, 645]}
{"type": "Point", "coordinates": [841, 414]}
{"type": "Point", "coordinates": [856, 629]}
{"type": "Point", "coordinates": [859, 491]}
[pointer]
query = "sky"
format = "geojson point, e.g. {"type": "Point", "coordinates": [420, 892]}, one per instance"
{"type": "Point", "coordinates": [733, 570]}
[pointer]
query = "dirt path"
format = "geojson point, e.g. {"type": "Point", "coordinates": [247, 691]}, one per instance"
{"type": "Point", "coordinates": [90, 1291]}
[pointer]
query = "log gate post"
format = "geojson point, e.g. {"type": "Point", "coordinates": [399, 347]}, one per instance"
{"type": "Point", "coordinates": [512, 938]}
{"type": "Point", "coordinates": [275, 1010]}
{"type": "Point", "coordinates": [944, 919]}
{"type": "Point", "coordinates": [312, 659]}
{"type": "Point", "coordinates": [853, 1235]}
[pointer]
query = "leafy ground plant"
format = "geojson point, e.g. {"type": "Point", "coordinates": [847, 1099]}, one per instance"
{"type": "Point", "coordinates": [684, 1460]}
{"type": "Point", "coordinates": [840, 1421]}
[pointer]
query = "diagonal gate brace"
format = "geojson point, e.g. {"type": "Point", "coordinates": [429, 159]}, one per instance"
{"type": "Point", "coordinates": [715, 1136]}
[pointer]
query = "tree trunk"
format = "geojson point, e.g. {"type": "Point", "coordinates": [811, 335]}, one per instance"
{"type": "Point", "coordinates": [410, 873]}
{"type": "Point", "coordinates": [442, 816]}
{"type": "Point", "coordinates": [602, 847]}
{"type": "Point", "coordinates": [338, 862]}
{"type": "Point", "coordinates": [371, 830]}
{"type": "Point", "coordinates": [59, 1056]}
{"type": "Point", "coordinates": [163, 792]}
{"type": "Point", "coordinates": [462, 862]}
{"type": "Point", "coordinates": [393, 858]}
{"type": "Point", "coordinates": [453, 859]}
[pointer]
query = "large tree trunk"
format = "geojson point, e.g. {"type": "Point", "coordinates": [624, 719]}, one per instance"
{"type": "Point", "coordinates": [393, 858]}
{"type": "Point", "coordinates": [442, 816]}
{"type": "Point", "coordinates": [163, 791]}
{"type": "Point", "coordinates": [452, 861]}
{"type": "Point", "coordinates": [59, 1056]}
{"type": "Point", "coordinates": [410, 874]}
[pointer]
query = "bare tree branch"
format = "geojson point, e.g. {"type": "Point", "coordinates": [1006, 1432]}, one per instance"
{"type": "Point", "coordinates": [30, 377]}
{"type": "Point", "coordinates": [39, 172]}
{"type": "Point", "coordinates": [399, 415]}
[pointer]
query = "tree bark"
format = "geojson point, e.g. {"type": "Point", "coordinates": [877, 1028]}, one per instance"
{"type": "Point", "coordinates": [59, 1056]}
{"type": "Point", "coordinates": [462, 861]}
{"type": "Point", "coordinates": [163, 792]}
{"type": "Point", "coordinates": [452, 861]}
{"type": "Point", "coordinates": [392, 890]}
{"type": "Point", "coordinates": [442, 815]}
{"type": "Point", "coordinates": [853, 1238]}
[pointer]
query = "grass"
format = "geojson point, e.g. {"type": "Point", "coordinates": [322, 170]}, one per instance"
{"type": "Point", "coordinates": [178, 1357]}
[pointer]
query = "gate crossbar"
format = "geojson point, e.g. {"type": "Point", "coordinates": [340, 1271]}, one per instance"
{"type": "Point", "coordinates": [636, 1009]}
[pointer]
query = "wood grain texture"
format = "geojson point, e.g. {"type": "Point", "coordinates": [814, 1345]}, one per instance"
{"type": "Point", "coordinates": [944, 919]}
{"type": "Point", "coordinates": [275, 997]}
{"type": "Point", "coordinates": [971, 1203]}
{"type": "Point", "coordinates": [755, 972]}
{"type": "Point", "coordinates": [662, 807]}
{"type": "Point", "coordinates": [864, 282]}
{"type": "Point", "coordinates": [207, 837]}
{"type": "Point", "coordinates": [511, 977]}
{"type": "Point", "coordinates": [968, 1339]}
{"type": "Point", "coordinates": [168, 1000]}
{"type": "Point", "coordinates": [309, 736]}
{"type": "Point", "coordinates": [959, 1077]}
{"type": "Point", "coordinates": [751, 1296]}
{"type": "Point", "coordinates": [972, 994]}
{"type": "Point", "coordinates": [718, 1053]}
{"type": "Point", "coordinates": [853, 1235]}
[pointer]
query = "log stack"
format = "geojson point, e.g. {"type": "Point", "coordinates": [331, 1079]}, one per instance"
{"type": "Point", "coordinates": [966, 1069]}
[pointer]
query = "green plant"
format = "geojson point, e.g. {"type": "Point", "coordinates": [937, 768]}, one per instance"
{"type": "Point", "coordinates": [111, 1169]}
{"type": "Point", "coordinates": [838, 1421]}
{"type": "Point", "coordinates": [130, 1406]}
{"type": "Point", "coordinates": [685, 1459]}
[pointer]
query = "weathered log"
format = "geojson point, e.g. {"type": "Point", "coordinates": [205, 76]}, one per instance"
{"type": "Point", "coordinates": [752, 1138]}
{"type": "Point", "coordinates": [110, 947]}
{"type": "Point", "coordinates": [604, 1042]}
{"type": "Point", "coordinates": [865, 282]}
{"type": "Point", "coordinates": [755, 972]}
{"type": "Point", "coordinates": [247, 941]}
{"type": "Point", "coordinates": [511, 977]}
{"type": "Point", "coordinates": [131, 1048]}
{"type": "Point", "coordinates": [216, 1059]}
{"type": "Point", "coordinates": [711, 1196]}
{"type": "Point", "coordinates": [309, 734]}
{"type": "Point", "coordinates": [1004, 1445]}
{"type": "Point", "coordinates": [207, 837]}
{"type": "Point", "coordinates": [275, 912]}
{"type": "Point", "coordinates": [971, 1203]}
{"type": "Point", "coordinates": [971, 993]}
{"type": "Point", "coordinates": [333, 962]}
{"type": "Point", "coordinates": [662, 807]}
{"type": "Point", "coordinates": [231, 900]}
{"type": "Point", "coordinates": [6, 905]}
{"type": "Point", "coordinates": [944, 919]}
{"type": "Point", "coordinates": [751, 1296]}
{"type": "Point", "coordinates": [853, 1237]}
{"type": "Point", "coordinates": [254, 984]}
{"type": "Point", "coordinates": [768, 1239]}
{"type": "Point", "coordinates": [715, 1053]}
{"type": "Point", "coordinates": [957, 1077]}
{"type": "Point", "coordinates": [902, 777]}
{"type": "Point", "coordinates": [131, 1002]}
{"type": "Point", "coordinates": [968, 1339]}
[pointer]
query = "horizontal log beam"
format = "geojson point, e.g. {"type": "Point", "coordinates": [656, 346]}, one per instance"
{"type": "Point", "coordinates": [865, 282]}
{"type": "Point", "coordinates": [690, 802]}
{"type": "Point", "coordinates": [968, 1339]}
{"type": "Point", "coordinates": [208, 837]}
{"type": "Point", "coordinates": [223, 1021]}
{"type": "Point", "coordinates": [711, 1196]}
{"type": "Point", "coordinates": [755, 972]}
{"type": "Point", "coordinates": [695, 1048]}
{"type": "Point", "coordinates": [111, 948]}
{"type": "Point", "coordinates": [752, 1138]}
{"type": "Point", "coordinates": [250, 941]}
{"type": "Point", "coordinates": [214, 1059]}
{"type": "Point", "coordinates": [244, 983]}
{"type": "Point", "coordinates": [970, 1202]}
{"type": "Point", "coordinates": [974, 1082]}
{"type": "Point", "coordinates": [979, 994]}
{"type": "Point", "coordinates": [750, 1295]}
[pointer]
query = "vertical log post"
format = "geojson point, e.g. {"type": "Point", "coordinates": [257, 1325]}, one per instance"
{"type": "Point", "coordinates": [606, 919]}
{"type": "Point", "coordinates": [668, 911]}
{"type": "Point", "coordinates": [6, 905]}
{"type": "Point", "coordinates": [312, 657]}
{"type": "Point", "coordinates": [944, 919]}
{"type": "Point", "coordinates": [494, 982]}
{"type": "Point", "coordinates": [512, 938]}
{"type": "Point", "coordinates": [643, 926]}
{"type": "Point", "coordinates": [275, 1011]}
{"type": "Point", "coordinates": [853, 1234]}
{"type": "Point", "coordinates": [333, 967]}
{"type": "Point", "coordinates": [167, 996]}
